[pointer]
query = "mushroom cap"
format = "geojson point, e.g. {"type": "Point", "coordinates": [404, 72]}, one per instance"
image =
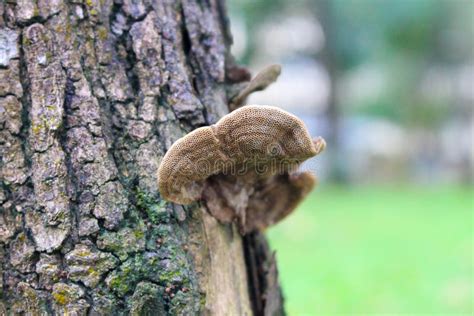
{"type": "Point", "coordinates": [186, 164]}
{"type": "Point", "coordinates": [263, 131]}
{"type": "Point", "coordinates": [248, 136]}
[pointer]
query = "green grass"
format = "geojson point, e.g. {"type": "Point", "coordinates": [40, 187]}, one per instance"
{"type": "Point", "coordinates": [378, 250]}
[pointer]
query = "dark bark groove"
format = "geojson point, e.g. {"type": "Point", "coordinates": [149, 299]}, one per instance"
{"type": "Point", "coordinates": [92, 93]}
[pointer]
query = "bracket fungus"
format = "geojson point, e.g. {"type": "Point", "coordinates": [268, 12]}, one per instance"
{"type": "Point", "coordinates": [244, 167]}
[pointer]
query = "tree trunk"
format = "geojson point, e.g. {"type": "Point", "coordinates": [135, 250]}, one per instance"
{"type": "Point", "coordinates": [92, 94]}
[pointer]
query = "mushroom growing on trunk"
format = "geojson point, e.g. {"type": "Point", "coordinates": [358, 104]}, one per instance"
{"type": "Point", "coordinates": [244, 167]}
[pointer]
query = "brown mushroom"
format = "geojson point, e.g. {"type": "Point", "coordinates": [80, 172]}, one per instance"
{"type": "Point", "coordinates": [243, 167]}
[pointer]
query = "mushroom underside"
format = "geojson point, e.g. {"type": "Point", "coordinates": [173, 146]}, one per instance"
{"type": "Point", "coordinates": [253, 202]}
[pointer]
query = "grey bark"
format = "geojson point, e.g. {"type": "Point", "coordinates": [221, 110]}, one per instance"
{"type": "Point", "coordinates": [92, 94]}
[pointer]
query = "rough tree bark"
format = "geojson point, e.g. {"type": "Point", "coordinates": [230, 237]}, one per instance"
{"type": "Point", "coordinates": [92, 93]}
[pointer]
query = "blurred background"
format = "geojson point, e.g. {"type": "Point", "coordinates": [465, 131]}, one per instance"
{"type": "Point", "coordinates": [390, 85]}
